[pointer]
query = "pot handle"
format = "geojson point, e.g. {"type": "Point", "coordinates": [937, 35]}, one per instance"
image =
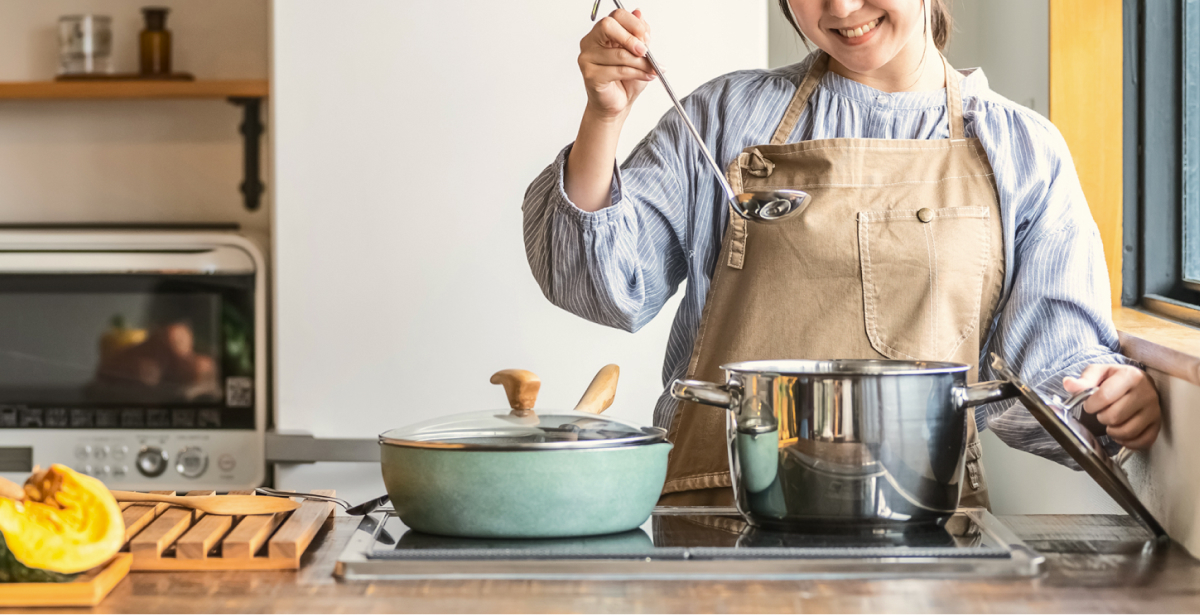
{"type": "Point", "coordinates": [984, 393]}
{"type": "Point", "coordinates": [521, 386]}
{"type": "Point", "coordinates": [701, 392]}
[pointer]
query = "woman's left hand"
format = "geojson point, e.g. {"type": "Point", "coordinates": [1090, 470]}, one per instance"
{"type": "Point", "coordinates": [1126, 402]}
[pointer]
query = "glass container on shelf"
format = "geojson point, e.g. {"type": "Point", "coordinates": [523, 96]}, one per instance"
{"type": "Point", "coordinates": [155, 42]}
{"type": "Point", "coordinates": [84, 44]}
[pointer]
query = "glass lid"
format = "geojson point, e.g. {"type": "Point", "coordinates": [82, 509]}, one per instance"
{"type": "Point", "coordinates": [505, 430]}
{"type": "Point", "coordinates": [524, 428]}
{"type": "Point", "coordinates": [1061, 419]}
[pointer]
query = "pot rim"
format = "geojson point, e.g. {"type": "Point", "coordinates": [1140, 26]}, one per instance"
{"type": "Point", "coordinates": [650, 435]}
{"type": "Point", "coordinates": [844, 367]}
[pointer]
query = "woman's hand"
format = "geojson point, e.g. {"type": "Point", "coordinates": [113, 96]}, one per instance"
{"type": "Point", "coordinates": [615, 70]}
{"type": "Point", "coordinates": [612, 60]}
{"type": "Point", "coordinates": [1127, 402]}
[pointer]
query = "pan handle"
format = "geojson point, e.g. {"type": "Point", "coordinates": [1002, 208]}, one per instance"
{"type": "Point", "coordinates": [701, 392]}
{"type": "Point", "coordinates": [984, 393]}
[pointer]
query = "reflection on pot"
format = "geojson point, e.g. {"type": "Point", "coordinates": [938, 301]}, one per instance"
{"type": "Point", "coordinates": [958, 531]}
{"type": "Point", "coordinates": [854, 441]}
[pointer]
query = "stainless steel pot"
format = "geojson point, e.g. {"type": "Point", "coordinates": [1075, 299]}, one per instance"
{"type": "Point", "coordinates": [845, 441]}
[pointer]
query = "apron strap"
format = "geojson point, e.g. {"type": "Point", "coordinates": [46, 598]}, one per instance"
{"type": "Point", "coordinates": [816, 70]}
{"type": "Point", "coordinates": [954, 107]}
{"type": "Point", "coordinates": [820, 66]}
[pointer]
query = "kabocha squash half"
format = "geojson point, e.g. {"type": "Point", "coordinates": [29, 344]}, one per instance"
{"type": "Point", "coordinates": [61, 524]}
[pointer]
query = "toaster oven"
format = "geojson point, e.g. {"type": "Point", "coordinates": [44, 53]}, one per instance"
{"type": "Point", "coordinates": [137, 357]}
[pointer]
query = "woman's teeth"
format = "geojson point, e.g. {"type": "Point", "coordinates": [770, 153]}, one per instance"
{"type": "Point", "coordinates": [861, 30]}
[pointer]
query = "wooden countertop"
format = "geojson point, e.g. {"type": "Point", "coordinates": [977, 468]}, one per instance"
{"type": "Point", "coordinates": [1095, 563]}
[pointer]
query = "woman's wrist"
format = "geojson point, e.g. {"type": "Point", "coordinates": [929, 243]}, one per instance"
{"type": "Point", "coordinates": [589, 170]}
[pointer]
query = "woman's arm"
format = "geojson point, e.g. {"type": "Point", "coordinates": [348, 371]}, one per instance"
{"type": "Point", "coordinates": [615, 71]}
{"type": "Point", "coordinates": [1056, 323]}
{"type": "Point", "coordinates": [616, 266]}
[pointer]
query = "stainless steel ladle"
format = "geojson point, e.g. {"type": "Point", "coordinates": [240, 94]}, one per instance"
{"type": "Point", "coordinates": [761, 206]}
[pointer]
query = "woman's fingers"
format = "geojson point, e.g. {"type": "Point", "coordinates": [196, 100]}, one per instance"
{"type": "Point", "coordinates": [1144, 440]}
{"type": "Point", "coordinates": [1125, 402]}
{"type": "Point", "coordinates": [1134, 425]}
{"type": "Point", "coordinates": [618, 56]}
{"type": "Point", "coordinates": [622, 29]}
{"type": "Point", "coordinates": [603, 75]}
{"type": "Point", "coordinates": [1115, 383]}
{"type": "Point", "coordinates": [1120, 411]}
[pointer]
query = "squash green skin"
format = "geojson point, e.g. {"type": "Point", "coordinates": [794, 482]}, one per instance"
{"type": "Point", "coordinates": [13, 571]}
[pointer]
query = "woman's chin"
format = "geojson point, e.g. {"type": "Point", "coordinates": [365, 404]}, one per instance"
{"type": "Point", "coordinates": [862, 62]}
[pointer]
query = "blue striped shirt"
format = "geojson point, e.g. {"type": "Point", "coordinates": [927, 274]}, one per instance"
{"type": "Point", "coordinates": [619, 265]}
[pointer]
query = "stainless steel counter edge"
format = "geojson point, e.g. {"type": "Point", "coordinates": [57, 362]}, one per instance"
{"type": "Point", "coordinates": [303, 447]}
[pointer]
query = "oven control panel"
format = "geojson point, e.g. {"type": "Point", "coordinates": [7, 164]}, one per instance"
{"type": "Point", "coordinates": [142, 461]}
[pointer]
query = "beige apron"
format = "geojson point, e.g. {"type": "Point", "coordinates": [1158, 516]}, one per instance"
{"type": "Point", "coordinates": [899, 256]}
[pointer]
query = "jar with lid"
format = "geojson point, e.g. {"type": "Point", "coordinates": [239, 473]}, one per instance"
{"type": "Point", "coordinates": [155, 42]}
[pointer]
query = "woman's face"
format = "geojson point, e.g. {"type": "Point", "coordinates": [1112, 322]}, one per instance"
{"type": "Point", "coordinates": [863, 35]}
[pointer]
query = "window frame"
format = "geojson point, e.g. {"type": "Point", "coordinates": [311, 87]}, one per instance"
{"type": "Point", "coordinates": [1155, 192]}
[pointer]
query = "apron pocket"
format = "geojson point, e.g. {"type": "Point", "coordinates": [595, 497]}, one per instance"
{"type": "Point", "coordinates": [922, 276]}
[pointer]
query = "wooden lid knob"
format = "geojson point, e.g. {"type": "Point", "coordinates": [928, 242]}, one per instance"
{"type": "Point", "coordinates": [521, 386]}
{"type": "Point", "coordinates": [601, 392]}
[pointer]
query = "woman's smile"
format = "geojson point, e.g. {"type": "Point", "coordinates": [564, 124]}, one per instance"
{"type": "Point", "coordinates": [859, 34]}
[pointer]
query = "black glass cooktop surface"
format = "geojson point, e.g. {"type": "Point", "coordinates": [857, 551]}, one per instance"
{"type": "Point", "coordinates": [696, 543]}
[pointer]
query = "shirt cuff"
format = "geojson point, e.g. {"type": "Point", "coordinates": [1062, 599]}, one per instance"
{"type": "Point", "coordinates": [588, 220]}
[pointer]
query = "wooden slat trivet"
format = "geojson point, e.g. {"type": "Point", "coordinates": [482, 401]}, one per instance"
{"type": "Point", "coordinates": [149, 544]}
{"type": "Point", "coordinates": [216, 542]}
{"type": "Point", "coordinates": [203, 536]}
{"type": "Point", "coordinates": [87, 590]}
{"type": "Point", "coordinates": [138, 516]}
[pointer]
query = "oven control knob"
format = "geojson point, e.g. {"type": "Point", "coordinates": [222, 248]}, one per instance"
{"type": "Point", "coordinates": [191, 462]}
{"type": "Point", "coordinates": [152, 461]}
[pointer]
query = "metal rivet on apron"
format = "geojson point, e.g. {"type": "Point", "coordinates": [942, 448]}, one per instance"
{"type": "Point", "coordinates": [925, 215]}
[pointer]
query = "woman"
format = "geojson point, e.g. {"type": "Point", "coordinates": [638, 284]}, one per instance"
{"type": "Point", "coordinates": [946, 222]}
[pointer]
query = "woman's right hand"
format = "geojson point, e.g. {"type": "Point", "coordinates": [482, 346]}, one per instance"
{"type": "Point", "coordinates": [612, 60]}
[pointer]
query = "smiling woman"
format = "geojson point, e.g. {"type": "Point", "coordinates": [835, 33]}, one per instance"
{"type": "Point", "coordinates": [946, 222]}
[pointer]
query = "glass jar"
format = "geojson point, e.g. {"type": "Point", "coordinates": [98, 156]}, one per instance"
{"type": "Point", "coordinates": [155, 42]}
{"type": "Point", "coordinates": [84, 44]}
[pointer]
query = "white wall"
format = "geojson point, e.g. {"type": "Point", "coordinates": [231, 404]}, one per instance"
{"type": "Point", "coordinates": [1010, 39]}
{"type": "Point", "coordinates": [143, 161]}
{"type": "Point", "coordinates": [402, 156]}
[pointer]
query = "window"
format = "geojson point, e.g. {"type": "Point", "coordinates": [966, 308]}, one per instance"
{"type": "Point", "coordinates": [1191, 144]}
{"type": "Point", "coordinates": [1161, 270]}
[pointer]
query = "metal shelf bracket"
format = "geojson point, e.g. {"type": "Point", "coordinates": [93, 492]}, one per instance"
{"type": "Point", "coordinates": [252, 129]}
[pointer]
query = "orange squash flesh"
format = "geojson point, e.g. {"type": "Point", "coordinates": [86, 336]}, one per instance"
{"type": "Point", "coordinates": [68, 522]}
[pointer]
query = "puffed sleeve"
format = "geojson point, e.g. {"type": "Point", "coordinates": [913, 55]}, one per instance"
{"type": "Point", "coordinates": [616, 266]}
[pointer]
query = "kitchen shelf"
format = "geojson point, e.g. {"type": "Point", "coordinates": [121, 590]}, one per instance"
{"type": "Point", "coordinates": [245, 93]}
{"type": "Point", "coordinates": [134, 88]}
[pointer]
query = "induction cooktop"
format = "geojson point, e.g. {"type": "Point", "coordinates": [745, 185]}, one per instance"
{"type": "Point", "coordinates": [696, 543]}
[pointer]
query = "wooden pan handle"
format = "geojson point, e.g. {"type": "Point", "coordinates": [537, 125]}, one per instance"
{"type": "Point", "coordinates": [601, 392]}
{"type": "Point", "coordinates": [521, 386]}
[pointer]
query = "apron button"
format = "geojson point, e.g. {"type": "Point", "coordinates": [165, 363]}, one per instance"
{"type": "Point", "coordinates": [925, 215]}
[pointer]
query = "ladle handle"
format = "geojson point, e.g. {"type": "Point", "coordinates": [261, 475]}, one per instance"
{"type": "Point", "coordinates": [601, 392]}
{"type": "Point", "coordinates": [729, 193]}
{"type": "Point", "coordinates": [521, 386]}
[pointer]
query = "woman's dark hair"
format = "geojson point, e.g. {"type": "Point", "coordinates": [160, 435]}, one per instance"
{"type": "Point", "coordinates": [939, 20]}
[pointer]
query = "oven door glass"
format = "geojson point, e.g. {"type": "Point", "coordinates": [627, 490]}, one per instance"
{"type": "Point", "coordinates": [127, 351]}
